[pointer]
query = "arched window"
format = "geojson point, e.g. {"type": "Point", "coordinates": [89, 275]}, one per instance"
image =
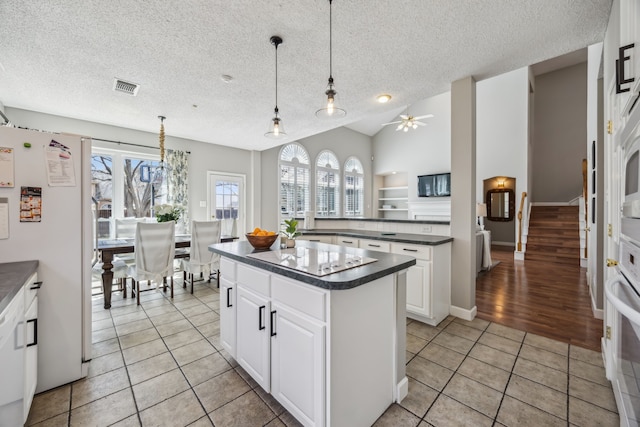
{"type": "Point", "coordinates": [295, 181]}
{"type": "Point", "coordinates": [327, 185]}
{"type": "Point", "coordinates": [353, 187]}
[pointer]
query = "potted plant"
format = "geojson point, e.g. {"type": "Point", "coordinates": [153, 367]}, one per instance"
{"type": "Point", "coordinates": [291, 231]}
{"type": "Point", "coordinates": [165, 213]}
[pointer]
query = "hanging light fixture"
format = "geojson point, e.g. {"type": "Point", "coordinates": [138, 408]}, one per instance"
{"type": "Point", "coordinates": [330, 110]}
{"type": "Point", "coordinates": [161, 140]}
{"type": "Point", "coordinates": [276, 129]}
{"type": "Point", "coordinates": [160, 173]}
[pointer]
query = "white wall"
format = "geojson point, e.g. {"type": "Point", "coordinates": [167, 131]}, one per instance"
{"type": "Point", "coordinates": [420, 151]}
{"type": "Point", "coordinates": [502, 134]}
{"type": "Point", "coordinates": [343, 142]}
{"type": "Point", "coordinates": [204, 157]}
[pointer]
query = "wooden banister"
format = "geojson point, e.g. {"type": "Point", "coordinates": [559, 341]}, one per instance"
{"type": "Point", "coordinates": [524, 194]}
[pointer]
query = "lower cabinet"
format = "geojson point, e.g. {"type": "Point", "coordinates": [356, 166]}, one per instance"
{"type": "Point", "coordinates": [419, 298]}
{"type": "Point", "coordinates": [253, 338]}
{"type": "Point", "coordinates": [428, 282]}
{"type": "Point", "coordinates": [285, 343]}
{"type": "Point", "coordinates": [297, 364]}
{"type": "Point", "coordinates": [228, 306]}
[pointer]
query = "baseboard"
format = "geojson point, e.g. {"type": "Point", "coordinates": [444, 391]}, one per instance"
{"type": "Point", "coordinates": [518, 255]}
{"type": "Point", "coordinates": [402, 389]}
{"type": "Point", "coordinates": [503, 244]}
{"type": "Point", "coordinates": [598, 313]}
{"type": "Point", "coordinates": [583, 262]}
{"type": "Point", "coordinates": [463, 313]}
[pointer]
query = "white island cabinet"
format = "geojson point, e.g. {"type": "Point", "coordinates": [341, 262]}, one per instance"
{"type": "Point", "coordinates": [331, 349]}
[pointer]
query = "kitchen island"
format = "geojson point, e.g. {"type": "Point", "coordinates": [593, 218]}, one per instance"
{"type": "Point", "coordinates": [321, 327]}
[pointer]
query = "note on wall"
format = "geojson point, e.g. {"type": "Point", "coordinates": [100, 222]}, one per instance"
{"type": "Point", "coordinates": [7, 165]}
{"type": "Point", "coordinates": [59, 162]}
{"type": "Point", "coordinates": [30, 204]}
{"type": "Point", "coordinates": [4, 218]}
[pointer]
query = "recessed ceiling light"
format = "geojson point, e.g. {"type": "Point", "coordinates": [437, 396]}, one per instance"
{"type": "Point", "coordinates": [226, 78]}
{"type": "Point", "coordinates": [383, 98]}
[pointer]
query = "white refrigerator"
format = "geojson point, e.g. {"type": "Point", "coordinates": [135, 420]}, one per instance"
{"type": "Point", "coordinates": [59, 238]}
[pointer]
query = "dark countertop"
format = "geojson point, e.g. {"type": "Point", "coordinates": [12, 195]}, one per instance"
{"type": "Point", "coordinates": [12, 278]}
{"type": "Point", "coordinates": [406, 221]}
{"type": "Point", "coordinates": [386, 264]}
{"type": "Point", "coordinates": [389, 236]}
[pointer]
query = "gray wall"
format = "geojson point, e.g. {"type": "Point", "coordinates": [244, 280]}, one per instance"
{"type": "Point", "coordinates": [560, 130]}
{"type": "Point", "coordinates": [343, 142]}
{"type": "Point", "coordinates": [204, 157]}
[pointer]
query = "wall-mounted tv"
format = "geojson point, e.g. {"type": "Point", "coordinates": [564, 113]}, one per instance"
{"type": "Point", "coordinates": [435, 185]}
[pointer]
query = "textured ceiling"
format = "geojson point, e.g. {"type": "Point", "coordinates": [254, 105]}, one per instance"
{"type": "Point", "coordinates": [61, 57]}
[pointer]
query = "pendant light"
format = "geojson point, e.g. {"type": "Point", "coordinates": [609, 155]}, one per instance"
{"type": "Point", "coordinates": [160, 173]}
{"type": "Point", "coordinates": [276, 129]}
{"type": "Point", "coordinates": [330, 110]}
{"type": "Point", "coordinates": [161, 140]}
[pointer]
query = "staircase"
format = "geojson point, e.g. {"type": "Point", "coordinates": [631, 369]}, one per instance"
{"type": "Point", "coordinates": [554, 235]}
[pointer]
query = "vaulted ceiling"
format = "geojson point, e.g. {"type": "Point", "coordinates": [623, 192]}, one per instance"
{"type": "Point", "coordinates": [61, 57]}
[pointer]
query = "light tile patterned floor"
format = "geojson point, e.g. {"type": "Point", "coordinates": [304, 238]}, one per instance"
{"type": "Point", "coordinates": [161, 364]}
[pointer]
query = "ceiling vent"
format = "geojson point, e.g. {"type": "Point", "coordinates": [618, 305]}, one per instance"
{"type": "Point", "coordinates": [126, 87]}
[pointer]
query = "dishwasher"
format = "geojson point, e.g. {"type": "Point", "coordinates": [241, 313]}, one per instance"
{"type": "Point", "coordinates": [12, 354]}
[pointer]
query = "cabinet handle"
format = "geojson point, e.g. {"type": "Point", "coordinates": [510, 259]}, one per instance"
{"type": "Point", "coordinates": [36, 285]}
{"type": "Point", "coordinates": [260, 317]}
{"type": "Point", "coordinates": [373, 246]}
{"type": "Point", "coordinates": [409, 250]}
{"type": "Point", "coordinates": [35, 332]}
{"type": "Point", "coordinates": [347, 241]}
{"type": "Point", "coordinates": [273, 324]}
{"type": "Point", "coordinates": [314, 240]}
{"type": "Point", "coordinates": [229, 298]}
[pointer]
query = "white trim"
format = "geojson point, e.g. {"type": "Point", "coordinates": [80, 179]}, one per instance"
{"type": "Point", "coordinates": [463, 313]}
{"type": "Point", "coordinates": [518, 256]}
{"type": "Point", "coordinates": [402, 389]}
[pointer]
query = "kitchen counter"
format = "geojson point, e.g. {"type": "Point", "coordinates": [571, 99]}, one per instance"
{"type": "Point", "coordinates": [13, 275]}
{"type": "Point", "coordinates": [387, 263]}
{"type": "Point", "coordinates": [416, 239]}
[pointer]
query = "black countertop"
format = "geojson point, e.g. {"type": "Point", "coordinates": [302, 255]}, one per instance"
{"type": "Point", "coordinates": [12, 278]}
{"type": "Point", "coordinates": [405, 221]}
{"type": "Point", "coordinates": [386, 264]}
{"type": "Point", "coordinates": [389, 236]}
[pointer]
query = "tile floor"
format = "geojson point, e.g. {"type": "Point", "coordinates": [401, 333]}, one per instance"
{"type": "Point", "coordinates": [161, 364]}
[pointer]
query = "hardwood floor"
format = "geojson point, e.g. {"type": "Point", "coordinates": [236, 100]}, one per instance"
{"type": "Point", "coordinates": [548, 299]}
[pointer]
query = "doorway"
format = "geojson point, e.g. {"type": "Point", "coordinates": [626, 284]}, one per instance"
{"type": "Point", "coordinates": [226, 201]}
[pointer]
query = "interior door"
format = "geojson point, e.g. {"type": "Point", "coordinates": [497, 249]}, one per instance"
{"type": "Point", "coordinates": [227, 201]}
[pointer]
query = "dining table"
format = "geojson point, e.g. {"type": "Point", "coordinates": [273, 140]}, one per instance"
{"type": "Point", "coordinates": [108, 248]}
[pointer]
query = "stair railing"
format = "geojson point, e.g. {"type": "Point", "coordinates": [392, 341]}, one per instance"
{"type": "Point", "coordinates": [524, 194]}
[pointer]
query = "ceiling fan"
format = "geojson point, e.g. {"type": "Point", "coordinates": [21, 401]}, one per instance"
{"type": "Point", "coordinates": [409, 122]}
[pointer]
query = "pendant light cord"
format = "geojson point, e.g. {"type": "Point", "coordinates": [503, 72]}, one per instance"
{"type": "Point", "coordinates": [330, 43]}
{"type": "Point", "coordinates": [276, 77]}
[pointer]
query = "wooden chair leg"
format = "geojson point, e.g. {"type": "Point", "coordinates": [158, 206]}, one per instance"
{"type": "Point", "coordinates": [137, 282]}
{"type": "Point", "coordinates": [123, 285]}
{"type": "Point", "coordinates": [192, 280]}
{"type": "Point", "coordinates": [218, 278]}
{"type": "Point", "coordinates": [171, 287]}
{"type": "Point", "coordinates": [184, 279]}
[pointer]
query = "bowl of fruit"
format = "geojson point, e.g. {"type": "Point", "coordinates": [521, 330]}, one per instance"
{"type": "Point", "coordinates": [261, 239]}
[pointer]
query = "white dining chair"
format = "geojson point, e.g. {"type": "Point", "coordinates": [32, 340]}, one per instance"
{"type": "Point", "coordinates": [154, 250]}
{"type": "Point", "coordinates": [201, 260]}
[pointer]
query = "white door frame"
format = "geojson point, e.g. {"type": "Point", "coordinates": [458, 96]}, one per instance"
{"type": "Point", "coordinates": [242, 209]}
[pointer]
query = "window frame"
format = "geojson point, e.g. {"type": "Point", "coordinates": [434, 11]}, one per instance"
{"type": "Point", "coordinates": [297, 164]}
{"type": "Point", "coordinates": [337, 192]}
{"type": "Point", "coordinates": [355, 175]}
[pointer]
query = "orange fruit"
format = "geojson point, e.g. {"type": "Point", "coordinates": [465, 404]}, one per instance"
{"type": "Point", "coordinates": [262, 233]}
{"type": "Point", "coordinates": [256, 231]}
{"type": "Point", "coordinates": [271, 233]}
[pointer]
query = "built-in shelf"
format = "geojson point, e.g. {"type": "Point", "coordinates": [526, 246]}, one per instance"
{"type": "Point", "coordinates": [396, 196]}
